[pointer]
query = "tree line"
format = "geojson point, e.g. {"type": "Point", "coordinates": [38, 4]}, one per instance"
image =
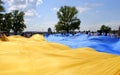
{"type": "Point", "coordinates": [12, 21]}
{"type": "Point", "coordinates": [106, 29]}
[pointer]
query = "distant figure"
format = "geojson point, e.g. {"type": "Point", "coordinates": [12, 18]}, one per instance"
{"type": "Point", "coordinates": [108, 34]}
{"type": "Point", "coordinates": [119, 32]}
{"type": "Point", "coordinates": [113, 35]}
{"type": "Point", "coordinates": [0, 35]}
{"type": "Point", "coordinates": [49, 31]}
{"type": "Point", "coordinates": [103, 33]}
{"type": "Point", "coordinates": [97, 33]}
{"type": "Point", "coordinates": [89, 33]}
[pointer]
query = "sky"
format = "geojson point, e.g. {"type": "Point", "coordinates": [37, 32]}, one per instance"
{"type": "Point", "coordinates": [41, 14]}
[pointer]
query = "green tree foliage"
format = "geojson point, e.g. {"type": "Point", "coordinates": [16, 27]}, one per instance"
{"type": "Point", "coordinates": [11, 21]}
{"type": "Point", "coordinates": [105, 28]}
{"type": "Point", "coordinates": [68, 20]}
{"type": "Point", "coordinates": [58, 27]}
{"type": "Point", "coordinates": [1, 7]}
{"type": "Point", "coordinates": [7, 22]}
{"type": "Point", "coordinates": [1, 15]}
{"type": "Point", "coordinates": [18, 21]}
{"type": "Point", "coordinates": [1, 21]}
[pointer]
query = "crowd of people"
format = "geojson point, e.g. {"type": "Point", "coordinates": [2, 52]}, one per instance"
{"type": "Point", "coordinates": [89, 33]}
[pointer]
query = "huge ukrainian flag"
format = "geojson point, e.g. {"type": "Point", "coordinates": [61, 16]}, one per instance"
{"type": "Point", "coordinates": [35, 56]}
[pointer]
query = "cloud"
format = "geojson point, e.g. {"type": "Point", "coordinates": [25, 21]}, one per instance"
{"type": "Point", "coordinates": [31, 13]}
{"type": "Point", "coordinates": [55, 9]}
{"type": "Point", "coordinates": [46, 25]}
{"type": "Point", "coordinates": [97, 11]}
{"type": "Point", "coordinates": [28, 6]}
{"type": "Point", "coordinates": [39, 2]}
{"type": "Point", "coordinates": [94, 27]}
{"type": "Point", "coordinates": [16, 4]}
{"type": "Point", "coordinates": [42, 27]}
{"type": "Point", "coordinates": [91, 5]}
{"type": "Point", "coordinates": [83, 9]}
{"type": "Point", "coordinates": [87, 6]}
{"type": "Point", "coordinates": [80, 9]}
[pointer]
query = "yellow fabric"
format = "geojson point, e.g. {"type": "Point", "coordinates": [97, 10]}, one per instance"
{"type": "Point", "coordinates": [35, 56]}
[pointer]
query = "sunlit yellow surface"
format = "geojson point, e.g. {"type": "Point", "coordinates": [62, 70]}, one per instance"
{"type": "Point", "coordinates": [35, 56]}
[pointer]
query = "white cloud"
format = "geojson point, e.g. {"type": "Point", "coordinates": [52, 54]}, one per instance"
{"type": "Point", "coordinates": [42, 27]}
{"type": "Point", "coordinates": [97, 11]}
{"type": "Point", "coordinates": [46, 25]}
{"type": "Point", "coordinates": [28, 6]}
{"type": "Point", "coordinates": [31, 13]}
{"type": "Point", "coordinates": [55, 9]}
{"type": "Point", "coordinates": [87, 6]}
{"type": "Point", "coordinates": [19, 7]}
{"type": "Point", "coordinates": [16, 4]}
{"type": "Point", "coordinates": [31, 0]}
{"type": "Point", "coordinates": [94, 27]}
{"type": "Point", "coordinates": [80, 9]}
{"type": "Point", "coordinates": [83, 9]}
{"type": "Point", "coordinates": [39, 2]}
{"type": "Point", "coordinates": [91, 5]}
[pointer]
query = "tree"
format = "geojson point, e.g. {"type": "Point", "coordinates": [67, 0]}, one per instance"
{"type": "Point", "coordinates": [67, 19]}
{"type": "Point", "coordinates": [1, 7]}
{"type": "Point", "coordinates": [11, 21]}
{"type": "Point", "coordinates": [7, 22]}
{"type": "Point", "coordinates": [1, 15]}
{"type": "Point", "coordinates": [18, 21]}
{"type": "Point", "coordinates": [58, 27]}
{"type": "Point", "coordinates": [105, 28]}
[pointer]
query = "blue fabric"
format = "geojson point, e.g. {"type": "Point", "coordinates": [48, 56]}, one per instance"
{"type": "Point", "coordinates": [99, 43]}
